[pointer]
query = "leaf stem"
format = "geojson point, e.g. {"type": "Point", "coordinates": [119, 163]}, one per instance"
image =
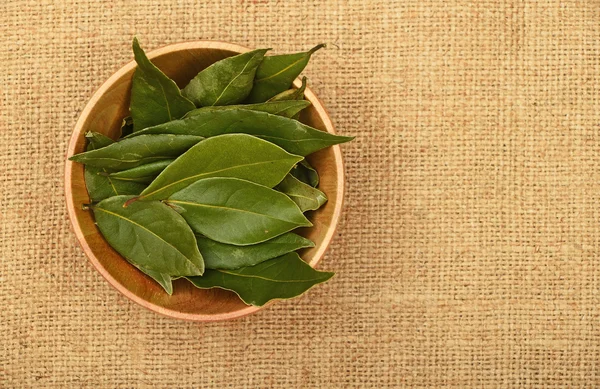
{"type": "Point", "coordinates": [317, 47]}
{"type": "Point", "coordinates": [87, 207]}
{"type": "Point", "coordinates": [130, 201]}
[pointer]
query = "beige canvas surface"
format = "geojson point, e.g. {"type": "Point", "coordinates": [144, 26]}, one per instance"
{"type": "Point", "coordinates": [468, 253]}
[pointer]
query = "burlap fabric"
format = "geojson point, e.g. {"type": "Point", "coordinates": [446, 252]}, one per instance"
{"type": "Point", "coordinates": [468, 252]}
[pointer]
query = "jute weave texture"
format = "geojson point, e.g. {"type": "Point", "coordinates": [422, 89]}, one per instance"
{"type": "Point", "coordinates": [468, 253]}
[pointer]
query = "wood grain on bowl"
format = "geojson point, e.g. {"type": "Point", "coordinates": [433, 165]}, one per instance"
{"type": "Point", "coordinates": [104, 113]}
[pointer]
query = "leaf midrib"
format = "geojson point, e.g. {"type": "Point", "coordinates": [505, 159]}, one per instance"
{"type": "Point", "coordinates": [295, 140]}
{"type": "Point", "coordinates": [231, 209]}
{"type": "Point", "coordinates": [281, 71]}
{"type": "Point", "coordinates": [207, 173]}
{"type": "Point", "coordinates": [131, 179]}
{"type": "Point", "coordinates": [167, 104]}
{"type": "Point", "coordinates": [126, 160]}
{"type": "Point", "coordinates": [302, 197]}
{"type": "Point", "coordinates": [233, 79]}
{"type": "Point", "coordinates": [264, 278]}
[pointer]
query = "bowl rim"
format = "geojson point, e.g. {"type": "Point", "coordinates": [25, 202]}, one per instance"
{"type": "Point", "coordinates": [75, 226]}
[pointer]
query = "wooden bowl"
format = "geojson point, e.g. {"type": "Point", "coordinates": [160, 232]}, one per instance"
{"type": "Point", "coordinates": [104, 112]}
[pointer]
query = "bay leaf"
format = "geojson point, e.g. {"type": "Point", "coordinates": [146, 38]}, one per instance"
{"type": "Point", "coordinates": [164, 280]}
{"type": "Point", "coordinates": [305, 196]}
{"type": "Point", "coordinates": [99, 186]}
{"type": "Point", "coordinates": [155, 98]}
{"type": "Point", "coordinates": [227, 256]}
{"type": "Point", "coordinates": [149, 234]}
{"type": "Point", "coordinates": [291, 94]}
{"type": "Point", "coordinates": [225, 82]}
{"type": "Point", "coordinates": [232, 155]}
{"type": "Point", "coordinates": [144, 173]}
{"type": "Point", "coordinates": [290, 134]}
{"type": "Point", "coordinates": [287, 108]}
{"type": "Point", "coordinates": [305, 173]}
{"type": "Point", "coordinates": [234, 211]}
{"type": "Point", "coordinates": [131, 152]}
{"type": "Point", "coordinates": [283, 277]}
{"type": "Point", "coordinates": [276, 73]}
{"type": "Point", "coordinates": [97, 140]}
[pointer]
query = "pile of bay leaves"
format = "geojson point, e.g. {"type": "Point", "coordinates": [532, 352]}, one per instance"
{"type": "Point", "coordinates": [206, 183]}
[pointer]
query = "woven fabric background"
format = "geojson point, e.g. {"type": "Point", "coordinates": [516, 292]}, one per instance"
{"type": "Point", "coordinates": [468, 254]}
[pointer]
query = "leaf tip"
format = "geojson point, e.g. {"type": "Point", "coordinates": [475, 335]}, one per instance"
{"type": "Point", "coordinates": [344, 139]}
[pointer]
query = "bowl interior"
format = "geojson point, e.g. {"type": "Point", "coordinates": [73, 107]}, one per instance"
{"type": "Point", "coordinates": [104, 112]}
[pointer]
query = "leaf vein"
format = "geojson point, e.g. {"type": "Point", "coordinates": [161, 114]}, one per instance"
{"type": "Point", "coordinates": [229, 209]}
{"type": "Point", "coordinates": [281, 71]}
{"type": "Point", "coordinates": [207, 173]}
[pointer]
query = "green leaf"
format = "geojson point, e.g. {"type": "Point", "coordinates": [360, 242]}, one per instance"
{"type": "Point", "coordinates": [99, 186]}
{"type": "Point", "coordinates": [284, 277]}
{"type": "Point", "coordinates": [233, 155]}
{"type": "Point", "coordinates": [282, 108]}
{"type": "Point", "coordinates": [293, 136]}
{"type": "Point", "coordinates": [131, 152]}
{"type": "Point", "coordinates": [305, 196]}
{"type": "Point", "coordinates": [277, 73]}
{"type": "Point", "coordinates": [97, 140]}
{"type": "Point", "coordinates": [144, 173]}
{"type": "Point", "coordinates": [149, 234]}
{"type": "Point", "coordinates": [226, 256]}
{"type": "Point", "coordinates": [306, 173]}
{"type": "Point", "coordinates": [225, 82]}
{"type": "Point", "coordinates": [234, 211]}
{"type": "Point", "coordinates": [290, 94]}
{"type": "Point", "coordinates": [164, 280]}
{"type": "Point", "coordinates": [126, 126]}
{"type": "Point", "coordinates": [155, 98]}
